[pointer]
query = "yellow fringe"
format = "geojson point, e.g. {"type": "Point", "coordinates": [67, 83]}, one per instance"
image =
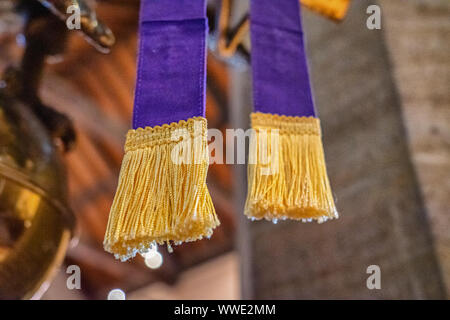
{"type": "Point", "coordinates": [287, 177]}
{"type": "Point", "coordinates": [162, 195]}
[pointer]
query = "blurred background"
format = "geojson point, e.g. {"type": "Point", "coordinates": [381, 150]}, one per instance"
{"type": "Point", "coordinates": [384, 101]}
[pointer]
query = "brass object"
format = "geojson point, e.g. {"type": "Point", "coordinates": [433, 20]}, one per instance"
{"type": "Point", "coordinates": [232, 39]}
{"type": "Point", "coordinates": [97, 33]}
{"type": "Point", "coordinates": [35, 222]}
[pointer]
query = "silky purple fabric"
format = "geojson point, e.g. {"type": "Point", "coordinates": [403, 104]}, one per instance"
{"type": "Point", "coordinates": [171, 77]}
{"type": "Point", "coordinates": [281, 82]}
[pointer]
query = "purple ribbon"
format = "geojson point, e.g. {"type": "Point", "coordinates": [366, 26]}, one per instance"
{"type": "Point", "coordinates": [280, 73]}
{"type": "Point", "coordinates": [171, 77]}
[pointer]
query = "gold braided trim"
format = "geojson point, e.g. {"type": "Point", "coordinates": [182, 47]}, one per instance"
{"type": "Point", "coordinates": [287, 177]}
{"type": "Point", "coordinates": [334, 9]}
{"type": "Point", "coordinates": [286, 124]}
{"type": "Point", "coordinates": [161, 195]}
{"type": "Point", "coordinates": [166, 134]}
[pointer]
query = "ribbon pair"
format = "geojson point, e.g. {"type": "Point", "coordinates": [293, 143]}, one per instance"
{"type": "Point", "coordinates": [162, 195]}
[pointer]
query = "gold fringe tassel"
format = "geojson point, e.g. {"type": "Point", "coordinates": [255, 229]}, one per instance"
{"type": "Point", "coordinates": [287, 177]}
{"type": "Point", "coordinates": [162, 195]}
